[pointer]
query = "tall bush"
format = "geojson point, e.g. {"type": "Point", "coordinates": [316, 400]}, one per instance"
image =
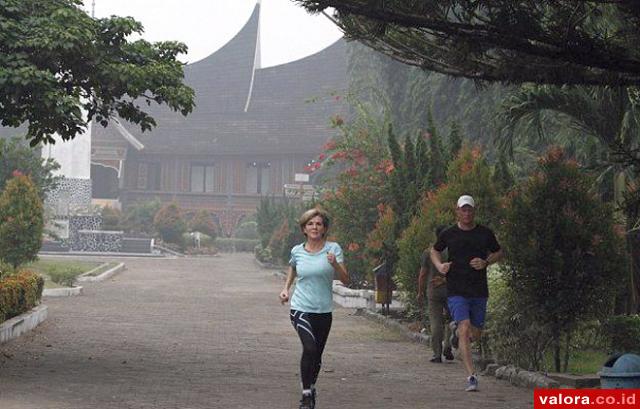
{"type": "Point", "coordinates": [562, 254]}
{"type": "Point", "coordinates": [203, 222]}
{"type": "Point", "coordinates": [467, 174]}
{"type": "Point", "coordinates": [139, 217]}
{"type": "Point", "coordinates": [21, 221]}
{"type": "Point", "coordinates": [170, 224]}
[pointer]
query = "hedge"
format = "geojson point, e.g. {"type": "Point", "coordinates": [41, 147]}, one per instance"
{"type": "Point", "coordinates": [623, 333]}
{"type": "Point", "coordinates": [230, 245]}
{"type": "Point", "coordinates": [19, 293]}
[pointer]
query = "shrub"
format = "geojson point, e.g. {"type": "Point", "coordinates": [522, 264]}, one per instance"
{"type": "Point", "coordinates": [247, 230]}
{"type": "Point", "coordinates": [112, 219]}
{"type": "Point", "coordinates": [21, 221]}
{"type": "Point", "coordinates": [19, 293]}
{"type": "Point", "coordinates": [623, 333]}
{"type": "Point", "coordinates": [170, 224]}
{"type": "Point", "coordinates": [64, 276]}
{"type": "Point", "coordinates": [561, 251]}
{"type": "Point", "coordinates": [263, 254]}
{"type": "Point", "coordinates": [203, 222]}
{"type": "Point", "coordinates": [511, 337]}
{"type": "Point", "coordinates": [240, 245]}
{"type": "Point", "coordinates": [139, 217]}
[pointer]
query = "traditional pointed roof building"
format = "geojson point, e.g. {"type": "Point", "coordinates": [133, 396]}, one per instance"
{"type": "Point", "coordinates": [252, 129]}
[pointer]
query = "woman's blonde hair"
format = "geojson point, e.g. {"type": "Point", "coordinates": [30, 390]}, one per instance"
{"type": "Point", "coordinates": [310, 214]}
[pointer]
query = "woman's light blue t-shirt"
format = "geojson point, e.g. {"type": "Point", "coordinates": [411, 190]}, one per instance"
{"type": "Point", "coordinates": [313, 292]}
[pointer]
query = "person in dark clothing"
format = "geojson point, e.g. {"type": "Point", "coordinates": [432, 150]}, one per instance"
{"type": "Point", "coordinates": [438, 310]}
{"type": "Point", "coordinates": [471, 248]}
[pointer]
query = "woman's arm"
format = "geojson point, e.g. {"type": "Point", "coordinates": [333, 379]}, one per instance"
{"type": "Point", "coordinates": [284, 294]}
{"type": "Point", "coordinates": [339, 268]}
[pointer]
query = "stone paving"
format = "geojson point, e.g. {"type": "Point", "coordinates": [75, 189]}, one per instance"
{"type": "Point", "coordinates": [193, 333]}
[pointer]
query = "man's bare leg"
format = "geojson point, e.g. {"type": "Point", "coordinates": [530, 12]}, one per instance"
{"type": "Point", "coordinates": [465, 332]}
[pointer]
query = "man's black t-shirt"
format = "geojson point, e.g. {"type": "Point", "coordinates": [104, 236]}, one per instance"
{"type": "Point", "coordinates": [463, 246]}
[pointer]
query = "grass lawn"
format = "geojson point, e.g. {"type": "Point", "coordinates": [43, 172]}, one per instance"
{"type": "Point", "coordinates": [102, 268]}
{"type": "Point", "coordinates": [60, 273]}
{"type": "Point", "coordinates": [585, 362]}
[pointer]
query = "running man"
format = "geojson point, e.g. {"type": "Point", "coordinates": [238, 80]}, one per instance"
{"type": "Point", "coordinates": [471, 249]}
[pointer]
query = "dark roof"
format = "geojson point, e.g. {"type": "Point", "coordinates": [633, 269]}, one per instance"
{"type": "Point", "coordinates": [279, 117]}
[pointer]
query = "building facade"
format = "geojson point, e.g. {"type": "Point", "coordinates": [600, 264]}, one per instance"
{"type": "Point", "coordinates": [251, 131]}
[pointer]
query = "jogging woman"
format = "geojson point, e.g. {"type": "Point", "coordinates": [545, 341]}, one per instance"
{"type": "Point", "coordinates": [312, 266]}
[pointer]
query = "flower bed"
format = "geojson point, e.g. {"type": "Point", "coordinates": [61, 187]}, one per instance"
{"type": "Point", "coordinates": [19, 293]}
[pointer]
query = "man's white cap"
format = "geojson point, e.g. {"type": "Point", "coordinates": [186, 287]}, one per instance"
{"type": "Point", "coordinates": [465, 200]}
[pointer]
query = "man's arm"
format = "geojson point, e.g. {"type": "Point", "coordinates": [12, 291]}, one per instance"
{"type": "Point", "coordinates": [422, 278]}
{"type": "Point", "coordinates": [436, 259]}
{"type": "Point", "coordinates": [480, 264]}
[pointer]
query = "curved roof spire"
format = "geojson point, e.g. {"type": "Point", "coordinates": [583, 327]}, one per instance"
{"type": "Point", "coordinates": [223, 79]}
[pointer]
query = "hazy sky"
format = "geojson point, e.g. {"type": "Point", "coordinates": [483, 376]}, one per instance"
{"type": "Point", "coordinates": [287, 31]}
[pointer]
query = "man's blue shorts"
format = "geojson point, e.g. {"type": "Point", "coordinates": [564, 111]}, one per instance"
{"type": "Point", "coordinates": [463, 308]}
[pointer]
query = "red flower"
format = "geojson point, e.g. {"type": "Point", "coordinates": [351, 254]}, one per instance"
{"type": "Point", "coordinates": [330, 145]}
{"type": "Point", "coordinates": [17, 173]}
{"type": "Point", "coordinates": [353, 247]}
{"type": "Point", "coordinates": [339, 155]}
{"type": "Point", "coordinates": [322, 156]}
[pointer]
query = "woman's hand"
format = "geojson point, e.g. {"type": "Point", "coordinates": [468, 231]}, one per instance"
{"type": "Point", "coordinates": [331, 258]}
{"type": "Point", "coordinates": [284, 296]}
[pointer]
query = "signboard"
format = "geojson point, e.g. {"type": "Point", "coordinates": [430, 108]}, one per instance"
{"type": "Point", "coordinates": [301, 177]}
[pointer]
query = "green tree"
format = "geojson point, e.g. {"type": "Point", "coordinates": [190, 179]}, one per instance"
{"type": "Point", "coordinates": [437, 155]}
{"type": "Point", "coordinates": [16, 156]}
{"type": "Point", "coordinates": [21, 221]}
{"type": "Point", "coordinates": [562, 256]}
{"type": "Point", "coordinates": [607, 117]}
{"type": "Point", "coordinates": [57, 60]}
{"type": "Point", "coordinates": [551, 42]}
{"type": "Point", "coordinates": [455, 140]}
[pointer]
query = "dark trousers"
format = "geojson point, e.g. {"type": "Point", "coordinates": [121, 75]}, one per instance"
{"type": "Point", "coordinates": [438, 319]}
{"type": "Point", "coordinates": [313, 330]}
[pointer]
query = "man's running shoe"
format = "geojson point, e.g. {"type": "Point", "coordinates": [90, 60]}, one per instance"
{"type": "Point", "coordinates": [472, 383]}
{"type": "Point", "coordinates": [454, 334]}
{"type": "Point", "coordinates": [448, 355]}
{"type": "Point", "coordinates": [307, 402]}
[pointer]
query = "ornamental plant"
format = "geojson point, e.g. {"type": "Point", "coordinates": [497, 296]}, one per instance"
{"type": "Point", "coordinates": [469, 174]}
{"type": "Point", "coordinates": [21, 221]}
{"type": "Point", "coordinates": [563, 259]}
{"type": "Point", "coordinates": [170, 224]}
{"type": "Point", "coordinates": [203, 222]}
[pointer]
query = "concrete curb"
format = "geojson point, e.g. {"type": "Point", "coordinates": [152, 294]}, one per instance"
{"type": "Point", "coordinates": [62, 292]}
{"type": "Point", "coordinates": [104, 276]}
{"type": "Point", "coordinates": [395, 325]}
{"type": "Point", "coordinates": [349, 298]}
{"type": "Point", "coordinates": [510, 373]}
{"type": "Point", "coordinates": [23, 323]}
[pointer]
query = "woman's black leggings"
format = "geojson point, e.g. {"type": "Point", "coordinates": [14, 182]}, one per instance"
{"type": "Point", "coordinates": [313, 330]}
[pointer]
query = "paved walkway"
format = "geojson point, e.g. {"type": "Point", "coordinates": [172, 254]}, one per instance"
{"type": "Point", "coordinates": [209, 333]}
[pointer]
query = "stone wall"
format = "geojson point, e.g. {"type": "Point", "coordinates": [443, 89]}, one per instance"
{"type": "Point", "coordinates": [70, 196]}
{"type": "Point", "coordinates": [98, 241]}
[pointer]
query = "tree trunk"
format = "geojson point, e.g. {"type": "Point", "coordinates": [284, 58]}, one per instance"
{"type": "Point", "coordinates": [567, 351]}
{"type": "Point", "coordinates": [556, 352]}
{"type": "Point", "coordinates": [633, 245]}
